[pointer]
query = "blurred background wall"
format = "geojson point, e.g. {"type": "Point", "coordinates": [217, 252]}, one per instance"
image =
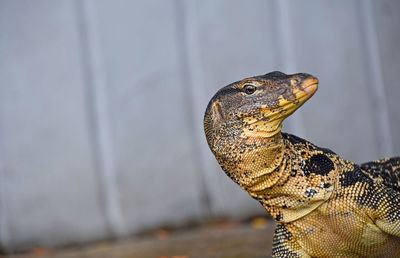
{"type": "Point", "coordinates": [101, 104]}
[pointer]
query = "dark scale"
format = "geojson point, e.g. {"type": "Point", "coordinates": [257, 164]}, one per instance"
{"type": "Point", "coordinates": [318, 164]}
{"type": "Point", "coordinates": [387, 171]}
{"type": "Point", "coordinates": [353, 176]}
{"type": "Point", "coordinates": [311, 192]}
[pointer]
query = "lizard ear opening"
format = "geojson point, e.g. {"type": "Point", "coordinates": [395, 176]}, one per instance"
{"type": "Point", "coordinates": [213, 118]}
{"type": "Point", "coordinates": [217, 112]}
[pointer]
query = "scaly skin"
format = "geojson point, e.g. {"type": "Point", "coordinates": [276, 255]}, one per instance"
{"type": "Point", "coordinates": [324, 205]}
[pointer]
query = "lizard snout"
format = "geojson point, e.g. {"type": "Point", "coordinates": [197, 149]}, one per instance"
{"type": "Point", "coordinates": [310, 85]}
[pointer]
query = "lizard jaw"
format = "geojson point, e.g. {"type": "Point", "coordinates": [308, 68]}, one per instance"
{"type": "Point", "coordinates": [306, 91]}
{"type": "Point", "coordinates": [310, 85]}
{"type": "Point", "coordinates": [276, 116]}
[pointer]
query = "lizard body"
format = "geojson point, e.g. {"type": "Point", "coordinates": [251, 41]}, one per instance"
{"type": "Point", "coordinates": [323, 205]}
{"type": "Point", "coordinates": [385, 171]}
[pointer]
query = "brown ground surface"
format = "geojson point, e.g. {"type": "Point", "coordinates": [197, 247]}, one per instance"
{"type": "Point", "coordinates": [224, 239]}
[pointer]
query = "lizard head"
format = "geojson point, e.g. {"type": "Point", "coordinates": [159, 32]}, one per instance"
{"type": "Point", "coordinates": [243, 118]}
{"type": "Point", "coordinates": [256, 106]}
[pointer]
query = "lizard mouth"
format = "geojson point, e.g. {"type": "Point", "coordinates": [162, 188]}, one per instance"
{"type": "Point", "coordinates": [287, 107]}
{"type": "Point", "coordinates": [270, 120]}
{"type": "Point", "coordinates": [310, 86]}
{"type": "Point", "coordinates": [306, 91]}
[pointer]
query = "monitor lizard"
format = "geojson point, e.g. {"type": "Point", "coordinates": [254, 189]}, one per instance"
{"type": "Point", "coordinates": [323, 204]}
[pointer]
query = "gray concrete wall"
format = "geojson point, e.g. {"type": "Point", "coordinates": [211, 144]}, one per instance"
{"type": "Point", "coordinates": [101, 104]}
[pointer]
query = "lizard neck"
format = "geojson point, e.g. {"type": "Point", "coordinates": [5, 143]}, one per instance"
{"type": "Point", "coordinates": [272, 170]}
{"type": "Point", "coordinates": [263, 164]}
{"type": "Point", "coordinates": [296, 193]}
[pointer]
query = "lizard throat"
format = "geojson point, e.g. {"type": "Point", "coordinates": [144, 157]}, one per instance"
{"type": "Point", "coordinates": [263, 164]}
{"type": "Point", "coordinates": [267, 173]}
{"type": "Point", "coordinates": [262, 129]}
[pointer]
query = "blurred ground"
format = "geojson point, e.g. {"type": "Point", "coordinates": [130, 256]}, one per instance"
{"type": "Point", "coordinates": [222, 239]}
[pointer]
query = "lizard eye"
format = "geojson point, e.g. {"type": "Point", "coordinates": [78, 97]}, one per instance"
{"type": "Point", "coordinates": [249, 89]}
